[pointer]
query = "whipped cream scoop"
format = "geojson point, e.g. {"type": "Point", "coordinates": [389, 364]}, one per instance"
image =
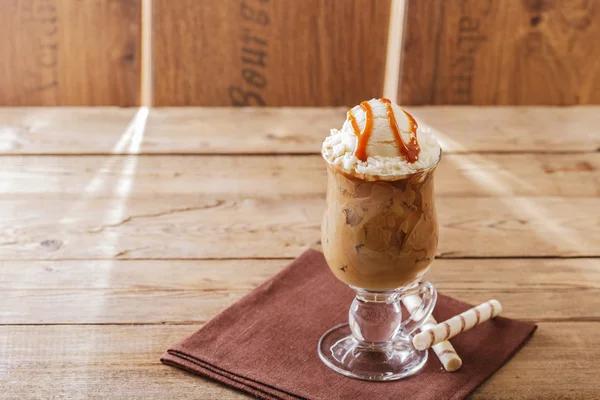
{"type": "Point", "coordinates": [380, 140]}
{"type": "Point", "coordinates": [390, 129]}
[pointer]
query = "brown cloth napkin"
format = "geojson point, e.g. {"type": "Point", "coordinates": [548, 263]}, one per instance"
{"type": "Point", "coordinates": [266, 343]}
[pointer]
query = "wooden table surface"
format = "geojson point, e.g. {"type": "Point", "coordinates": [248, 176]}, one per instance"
{"type": "Point", "coordinates": [124, 230]}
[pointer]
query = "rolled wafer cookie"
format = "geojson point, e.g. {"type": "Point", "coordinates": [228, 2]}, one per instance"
{"type": "Point", "coordinates": [457, 324]}
{"type": "Point", "coordinates": [444, 350]}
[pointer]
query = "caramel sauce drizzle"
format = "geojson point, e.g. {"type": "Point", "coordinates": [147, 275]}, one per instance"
{"type": "Point", "coordinates": [410, 150]}
{"type": "Point", "coordinates": [365, 135]}
{"type": "Point", "coordinates": [354, 123]}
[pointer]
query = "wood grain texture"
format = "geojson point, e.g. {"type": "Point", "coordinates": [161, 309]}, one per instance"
{"type": "Point", "coordinates": [278, 53]}
{"type": "Point", "coordinates": [118, 291]}
{"type": "Point", "coordinates": [420, 46]}
{"type": "Point", "coordinates": [77, 130]}
{"type": "Point", "coordinates": [284, 130]}
{"type": "Point", "coordinates": [459, 175]}
{"type": "Point", "coordinates": [496, 275]}
{"type": "Point", "coordinates": [194, 226]}
{"type": "Point", "coordinates": [62, 52]}
{"type": "Point", "coordinates": [84, 362]}
{"type": "Point", "coordinates": [504, 52]}
{"type": "Point", "coordinates": [113, 246]}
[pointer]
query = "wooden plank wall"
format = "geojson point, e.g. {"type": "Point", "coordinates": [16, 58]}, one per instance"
{"type": "Point", "coordinates": [299, 53]}
{"type": "Point", "coordinates": [65, 52]}
{"type": "Point", "coordinates": [269, 52]}
{"type": "Point", "coordinates": [499, 52]}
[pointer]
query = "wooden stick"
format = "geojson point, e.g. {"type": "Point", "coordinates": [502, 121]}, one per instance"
{"type": "Point", "coordinates": [444, 350]}
{"type": "Point", "coordinates": [457, 324]}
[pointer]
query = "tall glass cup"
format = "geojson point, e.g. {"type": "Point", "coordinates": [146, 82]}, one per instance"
{"type": "Point", "coordinates": [379, 237]}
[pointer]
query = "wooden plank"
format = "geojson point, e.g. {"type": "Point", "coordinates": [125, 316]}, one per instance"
{"type": "Point", "coordinates": [420, 41]}
{"type": "Point", "coordinates": [122, 361]}
{"type": "Point", "coordinates": [130, 275]}
{"type": "Point", "coordinates": [60, 52]}
{"type": "Point", "coordinates": [80, 362]}
{"type": "Point", "coordinates": [546, 361]}
{"type": "Point", "coordinates": [283, 130]}
{"type": "Point", "coordinates": [76, 306]}
{"type": "Point", "coordinates": [77, 130]}
{"type": "Point", "coordinates": [504, 129]}
{"type": "Point", "coordinates": [205, 226]}
{"type": "Point", "coordinates": [62, 292]}
{"type": "Point", "coordinates": [459, 175]}
{"type": "Point", "coordinates": [277, 53]}
{"type": "Point", "coordinates": [501, 52]}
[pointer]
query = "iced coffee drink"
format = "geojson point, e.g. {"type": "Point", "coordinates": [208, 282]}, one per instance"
{"type": "Point", "coordinates": [380, 230]}
{"type": "Point", "coordinates": [379, 236]}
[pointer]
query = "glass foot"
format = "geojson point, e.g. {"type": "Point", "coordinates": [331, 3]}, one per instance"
{"type": "Point", "coordinates": [341, 352]}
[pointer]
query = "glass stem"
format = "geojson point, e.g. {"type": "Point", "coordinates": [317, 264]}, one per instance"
{"type": "Point", "coordinates": [375, 317]}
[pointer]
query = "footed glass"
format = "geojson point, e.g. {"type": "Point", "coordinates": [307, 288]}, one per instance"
{"type": "Point", "coordinates": [379, 237]}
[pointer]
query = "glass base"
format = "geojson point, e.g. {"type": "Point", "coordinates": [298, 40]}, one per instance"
{"type": "Point", "coordinates": [340, 351]}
